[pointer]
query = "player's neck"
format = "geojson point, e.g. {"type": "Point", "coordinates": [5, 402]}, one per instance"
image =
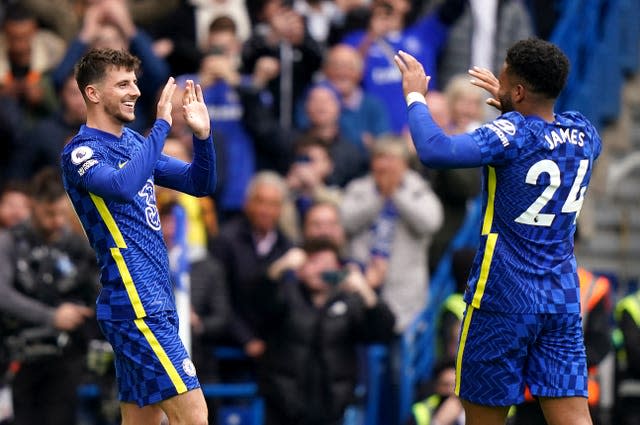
{"type": "Point", "coordinates": [543, 111]}
{"type": "Point", "coordinates": [105, 123]}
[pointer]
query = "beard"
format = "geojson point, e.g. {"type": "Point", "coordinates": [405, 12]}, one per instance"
{"type": "Point", "coordinates": [114, 109]}
{"type": "Point", "coordinates": [506, 104]}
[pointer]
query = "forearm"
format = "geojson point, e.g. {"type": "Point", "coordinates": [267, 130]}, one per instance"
{"type": "Point", "coordinates": [122, 184]}
{"type": "Point", "coordinates": [197, 178]}
{"type": "Point", "coordinates": [436, 149]}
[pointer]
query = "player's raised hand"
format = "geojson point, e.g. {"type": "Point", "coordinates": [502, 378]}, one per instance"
{"type": "Point", "coordinates": [195, 111]}
{"type": "Point", "coordinates": [164, 103]}
{"type": "Point", "coordinates": [414, 78]}
{"type": "Point", "coordinates": [485, 79]}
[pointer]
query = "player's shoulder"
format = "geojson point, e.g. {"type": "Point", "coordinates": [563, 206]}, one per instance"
{"type": "Point", "coordinates": [573, 119]}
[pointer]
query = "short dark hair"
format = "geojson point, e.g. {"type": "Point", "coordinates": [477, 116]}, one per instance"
{"type": "Point", "coordinates": [541, 64]}
{"type": "Point", "coordinates": [46, 185]}
{"type": "Point", "coordinates": [93, 66]}
{"type": "Point", "coordinates": [223, 23]}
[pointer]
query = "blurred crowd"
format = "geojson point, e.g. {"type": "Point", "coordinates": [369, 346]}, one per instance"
{"type": "Point", "coordinates": [324, 228]}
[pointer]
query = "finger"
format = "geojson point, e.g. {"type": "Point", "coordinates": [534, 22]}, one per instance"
{"type": "Point", "coordinates": [199, 95]}
{"type": "Point", "coordinates": [185, 95]}
{"type": "Point", "coordinates": [166, 89]}
{"type": "Point", "coordinates": [411, 62]}
{"type": "Point", "coordinates": [400, 63]}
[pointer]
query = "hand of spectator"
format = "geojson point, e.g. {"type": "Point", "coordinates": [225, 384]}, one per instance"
{"type": "Point", "coordinates": [291, 260]}
{"type": "Point", "coordinates": [218, 67]}
{"type": "Point", "coordinates": [294, 27]}
{"type": "Point", "coordinates": [356, 282]}
{"type": "Point", "coordinates": [164, 103]}
{"type": "Point", "coordinates": [69, 316]}
{"type": "Point", "coordinates": [255, 348]}
{"type": "Point", "coordinates": [91, 22]}
{"type": "Point", "coordinates": [196, 113]}
{"type": "Point", "coordinates": [265, 70]}
{"type": "Point", "coordinates": [348, 5]}
{"type": "Point", "coordinates": [485, 79]}
{"type": "Point", "coordinates": [32, 91]}
{"type": "Point", "coordinates": [376, 271]}
{"type": "Point", "coordinates": [163, 47]}
{"type": "Point", "coordinates": [117, 12]}
{"type": "Point", "coordinates": [196, 323]}
{"type": "Point", "coordinates": [448, 412]}
{"type": "Point", "coordinates": [414, 78]}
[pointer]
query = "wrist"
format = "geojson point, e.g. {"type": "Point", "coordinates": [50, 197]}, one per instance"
{"type": "Point", "coordinates": [415, 96]}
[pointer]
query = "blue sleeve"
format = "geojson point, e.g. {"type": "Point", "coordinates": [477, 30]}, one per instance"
{"type": "Point", "coordinates": [74, 52]}
{"type": "Point", "coordinates": [197, 178]}
{"type": "Point", "coordinates": [436, 149]}
{"type": "Point", "coordinates": [122, 184]}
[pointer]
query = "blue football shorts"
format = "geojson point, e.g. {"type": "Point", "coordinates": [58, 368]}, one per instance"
{"type": "Point", "coordinates": [151, 361]}
{"type": "Point", "coordinates": [501, 352]}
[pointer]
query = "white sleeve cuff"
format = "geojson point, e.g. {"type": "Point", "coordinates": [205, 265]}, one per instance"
{"type": "Point", "coordinates": [414, 96]}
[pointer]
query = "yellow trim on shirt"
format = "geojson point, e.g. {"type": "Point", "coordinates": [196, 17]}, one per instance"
{"type": "Point", "coordinates": [117, 256]}
{"type": "Point", "coordinates": [463, 340]}
{"type": "Point", "coordinates": [162, 356]}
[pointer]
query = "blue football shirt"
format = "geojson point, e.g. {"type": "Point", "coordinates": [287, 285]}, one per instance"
{"type": "Point", "coordinates": [535, 176]}
{"type": "Point", "coordinates": [110, 181]}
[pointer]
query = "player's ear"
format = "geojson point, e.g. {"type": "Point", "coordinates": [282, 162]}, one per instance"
{"type": "Point", "coordinates": [519, 91]}
{"type": "Point", "coordinates": [92, 93]}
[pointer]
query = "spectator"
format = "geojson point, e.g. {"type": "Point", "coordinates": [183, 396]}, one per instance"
{"type": "Point", "coordinates": [440, 406]}
{"type": "Point", "coordinates": [27, 53]}
{"type": "Point", "coordinates": [15, 205]}
{"type": "Point", "coordinates": [246, 246]}
{"type": "Point", "coordinates": [109, 24]}
{"type": "Point", "coordinates": [482, 35]}
{"type": "Point", "coordinates": [219, 76]}
{"type": "Point", "coordinates": [48, 281]}
{"type": "Point", "coordinates": [209, 10]}
{"type": "Point", "coordinates": [387, 32]}
{"type": "Point", "coordinates": [363, 116]}
{"type": "Point", "coordinates": [282, 34]}
{"type": "Point", "coordinates": [323, 109]}
{"type": "Point", "coordinates": [318, 313]}
{"type": "Point", "coordinates": [11, 129]}
{"type": "Point", "coordinates": [65, 16]}
{"type": "Point", "coordinates": [307, 182]}
{"type": "Point", "coordinates": [393, 213]}
{"type": "Point", "coordinates": [627, 317]}
{"type": "Point", "coordinates": [43, 143]}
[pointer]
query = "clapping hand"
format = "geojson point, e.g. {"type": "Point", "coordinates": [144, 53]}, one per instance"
{"type": "Point", "coordinates": [414, 78]}
{"type": "Point", "coordinates": [195, 111]}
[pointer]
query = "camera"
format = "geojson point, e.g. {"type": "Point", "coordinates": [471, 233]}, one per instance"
{"type": "Point", "coordinates": [333, 277]}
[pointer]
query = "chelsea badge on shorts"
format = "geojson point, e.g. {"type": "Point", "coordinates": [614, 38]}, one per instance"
{"type": "Point", "coordinates": [188, 367]}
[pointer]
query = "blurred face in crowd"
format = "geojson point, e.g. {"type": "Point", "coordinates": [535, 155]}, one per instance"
{"type": "Point", "coordinates": [318, 160]}
{"type": "Point", "coordinates": [343, 68]}
{"type": "Point", "coordinates": [388, 169]}
{"type": "Point", "coordinates": [74, 107]}
{"type": "Point", "coordinates": [19, 35]}
{"type": "Point", "coordinates": [224, 42]}
{"type": "Point", "coordinates": [51, 218]}
{"type": "Point", "coordinates": [14, 208]}
{"type": "Point", "coordinates": [110, 37]}
{"type": "Point", "coordinates": [311, 271]}
{"type": "Point", "coordinates": [323, 221]}
{"type": "Point", "coordinates": [263, 207]}
{"type": "Point", "coordinates": [322, 106]}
